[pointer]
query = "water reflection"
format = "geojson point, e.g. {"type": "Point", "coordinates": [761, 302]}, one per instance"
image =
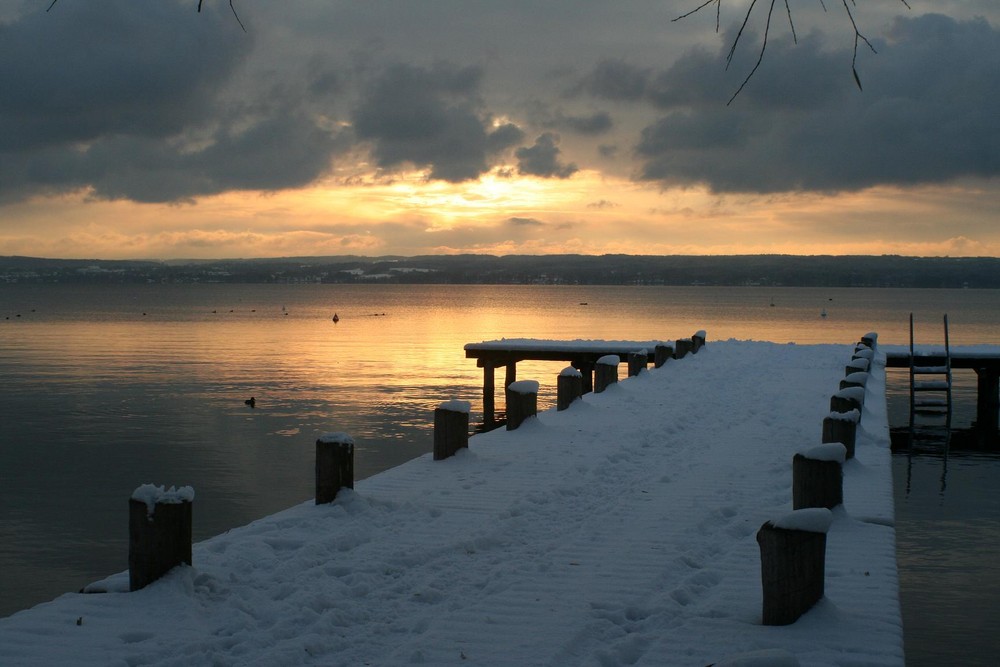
{"type": "Point", "coordinates": [947, 532]}
{"type": "Point", "coordinates": [98, 398]}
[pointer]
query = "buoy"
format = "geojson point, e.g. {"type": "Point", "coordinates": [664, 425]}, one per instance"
{"type": "Point", "coordinates": [336, 318]}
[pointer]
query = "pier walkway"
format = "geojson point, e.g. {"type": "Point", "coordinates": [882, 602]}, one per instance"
{"type": "Point", "coordinates": [620, 531]}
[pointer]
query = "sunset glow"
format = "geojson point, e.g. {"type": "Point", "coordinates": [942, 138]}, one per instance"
{"type": "Point", "coordinates": [302, 140]}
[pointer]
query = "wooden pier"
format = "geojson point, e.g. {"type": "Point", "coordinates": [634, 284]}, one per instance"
{"type": "Point", "coordinates": [581, 354]}
{"type": "Point", "coordinates": [987, 368]}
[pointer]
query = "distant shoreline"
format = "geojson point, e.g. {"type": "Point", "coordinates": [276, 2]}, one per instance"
{"type": "Point", "coordinates": [673, 270]}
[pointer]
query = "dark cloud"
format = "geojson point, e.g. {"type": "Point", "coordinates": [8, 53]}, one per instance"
{"type": "Point", "coordinates": [83, 71]}
{"type": "Point", "coordinates": [431, 117]}
{"type": "Point", "coordinates": [927, 113]}
{"type": "Point", "coordinates": [542, 159]}
{"type": "Point", "coordinates": [525, 222]}
{"type": "Point", "coordinates": [132, 100]}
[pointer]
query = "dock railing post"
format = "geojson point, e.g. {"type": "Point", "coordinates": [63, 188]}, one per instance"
{"type": "Point", "coordinates": [793, 563]}
{"type": "Point", "coordinates": [606, 372]}
{"type": "Point", "coordinates": [854, 380]}
{"type": "Point", "coordinates": [637, 361]}
{"type": "Point", "coordinates": [569, 387]}
{"type": "Point", "coordinates": [698, 340]}
{"type": "Point", "coordinates": [661, 353]}
{"type": "Point", "coordinates": [842, 427]}
{"type": "Point", "coordinates": [845, 400]}
{"type": "Point", "coordinates": [159, 532]}
{"type": "Point", "coordinates": [859, 365]}
{"type": "Point", "coordinates": [334, 465]}
{"type": "Point", "coordinates": [682, 347]}
{"type": "Point", "coordinates": [522, 402]}
{"type": "Point", "coordinates": [451, 428]}
{"type": "Point", "coordinates": [818, 476]}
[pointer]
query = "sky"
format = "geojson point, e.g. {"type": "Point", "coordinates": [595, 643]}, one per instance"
{"type": "Point", "coordinates": [148, 130]}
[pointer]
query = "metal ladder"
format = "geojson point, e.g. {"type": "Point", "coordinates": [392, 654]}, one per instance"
{"type": "Point", "coordinates": [930, 381]}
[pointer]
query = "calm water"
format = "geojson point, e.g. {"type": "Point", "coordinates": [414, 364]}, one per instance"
{"type": "Point", "coordinates": [105, 388]}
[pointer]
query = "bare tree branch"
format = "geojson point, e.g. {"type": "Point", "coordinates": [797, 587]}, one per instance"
{"type": "Point", "coordinates": [848, 5]}
{"type": "Point", "coordinates": [232, 8]}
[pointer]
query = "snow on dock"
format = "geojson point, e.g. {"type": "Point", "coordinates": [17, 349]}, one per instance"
{"type": "Point", "coordinates": [620, 531]}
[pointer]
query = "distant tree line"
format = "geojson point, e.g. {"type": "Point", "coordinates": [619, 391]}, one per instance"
{"type": "Point", "coordinates": [764, 270]}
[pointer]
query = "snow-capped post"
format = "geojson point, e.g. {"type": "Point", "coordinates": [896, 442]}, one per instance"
{"type": "Point", "coordinates": [637, 361]}
{"type": "Point", "coordinates": [870, 339]}
{"type": "Point", "coordinates": [793, 563]}
{"type": "Point", "coordinates": [854, 380]}
{"type": "Point", "coordinates": [522, 402]}
{"type": "Point", "coordinates": [818, 476]}
{"type": "Point", "coordinates": [863, 352]}
{"type": "Point", "coordinates": [682, 347]}
{"type": "Point", "coordinates": [845, 400]}
{"type": "Point", "coordinates": [159, 532]}
{"type": "Point", "coordinates": [661, 353]}
{"type": "Point", "coordinates": [606, 372]}
{"type": "Point", "coordinates": [334, 465]}
{"type": "Point", "coordinates": [856, 366]}
{"type": "Point", "coordinates": [842, 427]}
{"type": "Point", "coordinates": [451, 428]}
{"type": "Point", "coordinates": [569, 387]}
{"type": "Point", "coordinates": [698, 340]}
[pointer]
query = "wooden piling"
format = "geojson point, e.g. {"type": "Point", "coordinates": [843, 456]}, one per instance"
{"type": "Point", "coordinates": [818, 477]}
{"type": "Point", "coordinates": [159, 523]}
{"type": "Point", "coordinates": [682, 347]}
{"type": "Point", "coordinates": [988, 398]}
{"type": "Point", "coordinates": [569, 387]}
{"type": "Point", "coordinates": [661, 353]}
{"type": "Point", "coordinates": [522, 402]}
{"type": "Point", "coordinates": [870, 339]}
{"type": "Point", "coordinates": [698, 340]}
{"type": "Point", "coordinates": [451, 428]}
{"type": "Point", "coordinates": [334, 465]}
{"type": "Point", "coordinates": [842, 427]}
{"type": "Point", "coordinates": [856, 366]}
{"type": "Point", "coordinates": [489, 395]}
{"type": "Point", "coordinates": [606, 372]}
{"type": "Point", "coordinates": [793, 563]}
{"type": "Point", "coordinates": [845, 400]}
{"type": "Point", "coordinates": [637, 362]}
{"type": "Point", "coordinates": [854, 380]}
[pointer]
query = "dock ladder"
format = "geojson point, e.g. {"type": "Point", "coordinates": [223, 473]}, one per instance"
{"type": "Point", "coordinates": [930, 381]}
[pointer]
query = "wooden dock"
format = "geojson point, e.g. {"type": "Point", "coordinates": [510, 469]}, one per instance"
{"type": "Point", "coordinates": [581, 354]}
{"type": "Point", "coordinates": [987, 368]}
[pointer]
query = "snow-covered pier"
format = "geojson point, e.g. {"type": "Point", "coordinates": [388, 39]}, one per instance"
{"type": "Point", "coordinates": [581, 354]}
{"type": "Point", "coordinates": [620, 531]}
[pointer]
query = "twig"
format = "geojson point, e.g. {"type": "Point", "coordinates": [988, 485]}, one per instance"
{"type": "Point", "coordinates": [234, 13]}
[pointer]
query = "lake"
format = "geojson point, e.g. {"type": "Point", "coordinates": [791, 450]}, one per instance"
{"type": "Point", "coordinates": [106, 388]}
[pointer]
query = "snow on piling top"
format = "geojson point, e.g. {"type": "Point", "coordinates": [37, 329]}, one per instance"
{"type": "Point", "coordinates": [700, 334]}
{"type": "Point", "coordinates": [152, 494]}
{"type": "Point", "coordinates": [864, 353]}
{"type": "Point", "coordinates": [811, 519]}
{"type": "Point", "coordinates": [455, 405]}
{"type": "Point", "coordinates": [524, 387]}
{"type": "Point", "coordinates": [852, 393]}
{"type": "Point", "coordinates": [831, 451]}
{"type": "Point", "coordinates": [336, 438]}
{"type": "Point", "coordinates": [609, 360]}
{"type": "Point", "coordinates": [861, 364]}
{"type": "Point", "coordinates": [569, 371]}
{"type": "Point", "coordinates": [860, 378]}
{"type": "Point", "coordinates": [849, 416]}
